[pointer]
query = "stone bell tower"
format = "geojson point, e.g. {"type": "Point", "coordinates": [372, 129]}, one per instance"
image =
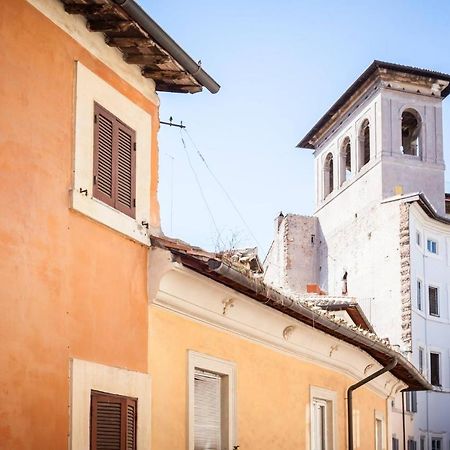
{"type": "Point", "coordinates": [383, 137]}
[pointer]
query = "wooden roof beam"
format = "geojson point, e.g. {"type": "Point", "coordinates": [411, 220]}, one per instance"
{"type": "Point", "coordinates": [145, 59]}
{"type": "Point", "coordinates": [104, 26]}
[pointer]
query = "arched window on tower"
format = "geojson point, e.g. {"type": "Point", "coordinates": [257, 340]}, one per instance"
{"type": "Point", "coordinates": [364, 144]}
{"type": "Point", "coordinates": [346, 160]}
{"type": "Point", "coordinates": [328, 176]}
{"type": "Point", "coordinates": [411, 125]}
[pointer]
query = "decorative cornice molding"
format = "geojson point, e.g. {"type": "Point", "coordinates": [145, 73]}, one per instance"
{"type": "Point", "coordinates": [201, 299]}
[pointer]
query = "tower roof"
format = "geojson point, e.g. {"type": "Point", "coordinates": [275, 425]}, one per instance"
{"type": "Point", "coordinates": [373, 71]}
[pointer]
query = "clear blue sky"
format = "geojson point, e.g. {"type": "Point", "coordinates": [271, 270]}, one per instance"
{"type": "Point", "coordinates": [281, 65]}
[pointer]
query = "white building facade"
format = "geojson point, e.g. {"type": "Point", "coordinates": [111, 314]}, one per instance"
{"type": "Point", "coordinates": [380, 232]}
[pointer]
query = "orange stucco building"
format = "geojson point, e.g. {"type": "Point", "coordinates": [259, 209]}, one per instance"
{"type": "Point", "coordinates": [82, 308]}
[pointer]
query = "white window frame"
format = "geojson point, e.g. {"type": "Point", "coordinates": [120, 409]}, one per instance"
{"type": "Point", "coordinates": [91, 88]}
{"type": "Point", "coordinates": [439, 353]}
{"type": "Point", "coordinates": [436, 245]}
{"type": "Point", "coordinates": [421, 360]}
{"type": "Point", "coordinates": [379, 416]}
{"type": "Point", "coordinates": [439, 438]}
{"type": "Point", "coordinates": [225, 369]}
{"type": "Point", "coordinates": [86, 376]}
{"type": "Point", "coordinates": [438, 300]}
{"type": "Point", "coordinates": [418, 238]}
{"type": "Point", "coordinates": [330, 398]}
{"type": "Point", "coordinates": [419, 294]}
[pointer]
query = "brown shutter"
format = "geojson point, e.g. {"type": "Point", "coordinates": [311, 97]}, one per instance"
{"type": "Point", "coordinates": [113, 422]}
{"type": "Point", "coordinates": [114, 162]}
{"type": "Point", "coordinates": [103, 155]}
{"type": "Point", "coordinates": [126, 169]}
{"type": "Point", "coordinates": [131, 424]}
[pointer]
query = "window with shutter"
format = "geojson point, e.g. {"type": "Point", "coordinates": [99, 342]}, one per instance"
{"type": "Point", "coordinates": [114, 161]}
{"type": "Point", "coordinates": [207, 411]}
{"type": "Point", "coordinates": [433, 300]}
{"type": "Point", "coordinates": [113, 422]}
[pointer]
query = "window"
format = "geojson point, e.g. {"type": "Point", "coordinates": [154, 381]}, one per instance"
{"type": "Point", "coordinates": [433, 301]}
{"type": "Point", "coordinates": [346, 160]}
{"type": "Point", "coordinates": [378, 434]}
{"type": "Point", "coordinates": [432, 246]}
{"type": "Point", "coordinates": [412, 444]}
{"type": "Point", "coordinates": [328, 175]}
{"type": "Point", "coordinates": [411, 401]}
{"type": "Point", "coordinates": [436, 443]}
{"type": "Point", "coordinates": [419, 295]}
{"type": "Point", "coordinates": [114, 162]}
{"type": "Point", "coordinates": [113, 421]}
{"type": "Point", "coordinates": [422, 442]}
{"type": "Point", "coordinates": [127, 410]}
{"type": "Point", "coordinates": [395, 445]}
{"type": "Point", "coordinates": [323, 403]}
{"type": "Point", "coordinates": [410, 132]}
{"type": "Point", "coordinates": [211, 403]}
{"type": "Point", "coordinates": [134, 122]}
{"type": "Point", "coordinates": [420, 359]}
{"type": "Point", "coordinates": [364, 144]}
{"type": "Point", "coordinates": [435, 375]}
{"type": "Point", "coordinates": [418, 238]}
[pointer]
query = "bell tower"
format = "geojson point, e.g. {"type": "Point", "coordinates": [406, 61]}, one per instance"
{"type": "Point", "coordinates": [382, 138]}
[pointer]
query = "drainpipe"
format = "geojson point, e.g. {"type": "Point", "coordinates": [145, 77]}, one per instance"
{"type": "Point", "coordinates": [403, 421]}
{"type": "Point", "coordinates": [165, 41]}
{"type": "Point", "coordinates": [355, 386]}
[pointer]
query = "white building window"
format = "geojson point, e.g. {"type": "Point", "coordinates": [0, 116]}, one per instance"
{"type": "Point", "coordinates": [323, 405]}
{"type": "Point", "coordinates": [212, 394]}
{"type": "Point", "coordinates": [433, 301]}
{"type": "Point", "coordinates": [418, 238]}
{"type": "Point", "coordinates": [422, 442]}
{"type": "Point", "coordinates": [379, 431]}
{"type": "Point", "coordinates": [432, 246]}
{"type": "Point", "coordinates": [435, 369]}
{"type": "Point", "coordinates": [419, 295]}
{"type": "Point", "coordinates": [436, 443]}
{"type": "Point", "coordinates": [412, 444]}
{"type": "Point", "coordinates": [411, 401]}
{"type": "Point", "coordinates": [420, 359]}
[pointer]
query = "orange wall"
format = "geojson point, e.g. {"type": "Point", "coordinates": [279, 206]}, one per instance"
{"type": "Point", "coordinates": [273, 388]}
{"type": "Point", "coordinates": [69, 287]}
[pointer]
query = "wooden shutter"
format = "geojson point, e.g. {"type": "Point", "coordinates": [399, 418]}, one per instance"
{"type": "Point", "coordinates": [207, 411]}
{"type": "Point", "coordinates": [103, 155]}
{"type": "Point", "coordinates": [126, 169]}
{"type": "Point", "coordinates": [113, 422]}
{"type": "Point", "coordinates": [114, 161]}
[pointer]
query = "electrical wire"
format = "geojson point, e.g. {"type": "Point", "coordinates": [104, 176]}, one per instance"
{"type": "Point", "coordinates": [205, 201]}
{"type": "Point", "coordinates": [221, 187]}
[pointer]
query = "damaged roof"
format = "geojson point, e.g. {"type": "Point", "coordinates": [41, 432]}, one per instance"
{"type": "Point", "coordinates": [372, 71]}
{"type": "Point", "coordinates": [127, 27]}
{"type": "Point", "coordinates": [224, 272]}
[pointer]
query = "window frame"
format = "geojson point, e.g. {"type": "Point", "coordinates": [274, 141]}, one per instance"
{"type": "Point", "coordinates": [328, 397]}
{"type": "Point", "coordinates": [439, 374]}
{"type": "Point", "coordinates": [86, 376]}
{"type": "Point", "coordinates": [438, 313]}
{"type": "Point", "coordinates": [419, 294]}
{"type": "Point", "coordinates": [430, 247]}
{"type": "Point", "coordinates": [91, 88]}
{"type": "Point", "coordinates": [379, 417]}
{"type": "Point", "coordinates": [225, 369]}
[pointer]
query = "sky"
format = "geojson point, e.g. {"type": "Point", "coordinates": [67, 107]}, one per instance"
{"type": "Point", "coordinates": [280, 65]}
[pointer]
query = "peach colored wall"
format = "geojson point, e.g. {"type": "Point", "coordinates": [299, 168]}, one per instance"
{"type": "Point", "coordinates": [273, 388]}
{"type": "Point", "coordinates": [69, 287]}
